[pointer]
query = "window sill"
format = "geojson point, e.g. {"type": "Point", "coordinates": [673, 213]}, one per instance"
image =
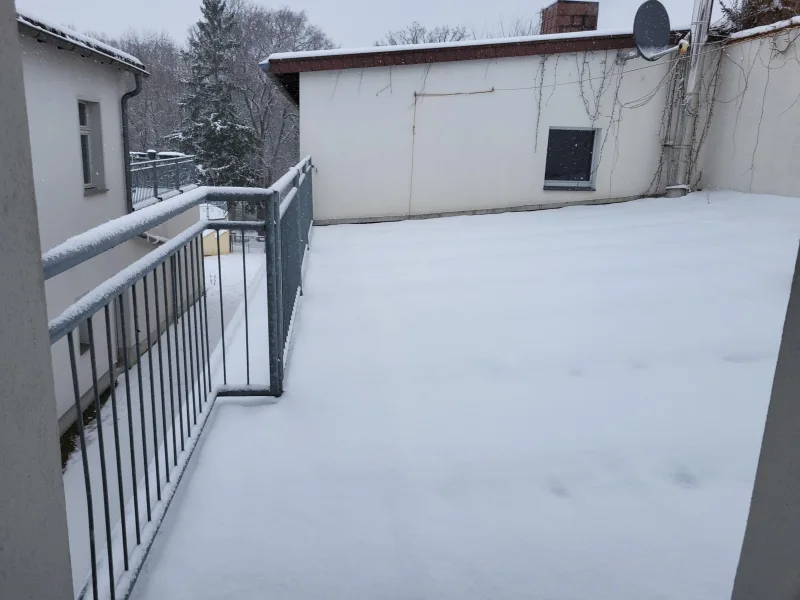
{"type": "Point", "coordinates": [93, 191]}
{"type": "Point", "coordinates": [569, 188]}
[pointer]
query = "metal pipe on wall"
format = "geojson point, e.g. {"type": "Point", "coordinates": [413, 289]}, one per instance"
{"type": "Point", "coordinates": [701, 19]}
{"type": "Point", "coordinates": [126, 155]}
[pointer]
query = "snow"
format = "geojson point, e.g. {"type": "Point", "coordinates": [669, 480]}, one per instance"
{"type": "Point", "coordinates": [433, 46]}
{"type": "Point", "coordinates": [84, 41]}
{"type": "Point", "coordinates": [210, 212]}
{"type": "Point", "coordinates": [557, 404]}
{"type": "Point", "coordinates": [746, 33]}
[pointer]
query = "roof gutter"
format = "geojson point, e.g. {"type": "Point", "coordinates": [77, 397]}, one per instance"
{"type": "Point", "coordinates": [125, 138]}
{"type": "Point", "coordinates": [40, 32]}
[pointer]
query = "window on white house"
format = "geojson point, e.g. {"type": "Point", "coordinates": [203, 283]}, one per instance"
{"type": "Point", "coordinates": [91, 146]}
{"type": "Point", "coordinates": [570, 159]}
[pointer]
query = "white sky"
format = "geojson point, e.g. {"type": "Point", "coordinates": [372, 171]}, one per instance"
{"type": "Point", "coordinates": [348, 22]}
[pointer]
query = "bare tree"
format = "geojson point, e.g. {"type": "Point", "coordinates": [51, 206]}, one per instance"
{"type": "Point", "coordinates": [155, 113]}
{"type": "Point", "coordinates": [516, 27]}
{"type": "Point", "coordinates": [260, 32]}
{"type": "Point", "coordinates": [746, 14]}
{"type": "Point", "coordinates": [419, 34]}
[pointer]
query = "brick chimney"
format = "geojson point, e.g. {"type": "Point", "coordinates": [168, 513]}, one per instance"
{"type": "Point", "coordinates": [563, 16]}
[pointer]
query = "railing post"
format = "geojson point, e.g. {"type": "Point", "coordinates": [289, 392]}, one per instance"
{"type": "Point", "coordinates": [274, 292]}
{"type": "Point", "coordinates": [155, 179]}
{"type": "Point", "coordinates": [177, 174]}
{"type": "Point", "coordinates": [310, 184]}
{"type": "Point", "coordinates": [300, 245]}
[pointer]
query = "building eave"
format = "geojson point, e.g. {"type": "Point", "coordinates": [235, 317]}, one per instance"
{"type": "Point", "coordinates": [285, 68]}
{"type": "Point", "coordinates": [45, 33]}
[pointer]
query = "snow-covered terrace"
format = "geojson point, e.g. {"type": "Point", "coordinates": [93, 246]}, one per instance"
{"type": "Point", "coordinates": [559, 404]}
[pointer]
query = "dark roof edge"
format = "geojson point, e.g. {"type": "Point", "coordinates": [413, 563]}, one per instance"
{"type": "Point", "coordinates": [285, 71]}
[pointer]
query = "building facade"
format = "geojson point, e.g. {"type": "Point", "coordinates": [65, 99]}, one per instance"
{"type": "Point", "coordinates": [74, 87]}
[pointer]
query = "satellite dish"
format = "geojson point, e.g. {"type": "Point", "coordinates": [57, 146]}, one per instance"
{"type": "Point", "coordinates": [651, 31]}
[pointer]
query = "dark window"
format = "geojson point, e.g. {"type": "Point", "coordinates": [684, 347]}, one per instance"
{"type": "Point", "coordinates": [86, 158]}
{"type": "Point", "coordinates": [83, 117]}
{"type": "Point", "coordinates": [569, 157]}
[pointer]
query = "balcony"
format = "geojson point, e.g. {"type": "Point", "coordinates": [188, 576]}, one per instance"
{"type": "Point", "coordinates": [158, 176]}
{"type": "Point", "coordinates": [461, 416]}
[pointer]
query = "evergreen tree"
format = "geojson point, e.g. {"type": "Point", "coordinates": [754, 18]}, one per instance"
{"type": "Point", "coordinates": [224, 145]}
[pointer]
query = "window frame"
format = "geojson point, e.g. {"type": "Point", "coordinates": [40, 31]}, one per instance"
{"type": "Point", "coordinates": [574, 185]}
{"type": "Point", "coordinates": [85, 132]}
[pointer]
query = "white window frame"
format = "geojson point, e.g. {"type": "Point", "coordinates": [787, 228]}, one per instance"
{"type": "Point", "coordinates": [85, 131]}
{"type": "Point", "coordinates": [589, 185]}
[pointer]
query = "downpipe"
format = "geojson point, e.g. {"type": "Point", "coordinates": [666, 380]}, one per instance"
{"type": "Point", "coordinates": [126, 155]}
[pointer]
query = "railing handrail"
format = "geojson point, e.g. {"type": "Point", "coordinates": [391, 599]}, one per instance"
{"type": "Point", "coordinates": [84, 246]}
{"type": "Point", "coordinates": [141, 165]}
{"type": "Point", "coordinates": [131, 338]}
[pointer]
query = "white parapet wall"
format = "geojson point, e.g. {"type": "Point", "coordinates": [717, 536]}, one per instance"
{"type": "Point", "coordinates": [476, 138]}
{"type": "Point", "coordinates": [753, 141]}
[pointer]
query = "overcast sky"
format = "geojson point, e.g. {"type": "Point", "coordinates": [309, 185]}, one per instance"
{"type": "Point", "coordinates": [349, 22]}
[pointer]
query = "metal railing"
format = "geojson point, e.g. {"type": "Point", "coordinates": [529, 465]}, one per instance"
{"type": "Point", "coordinates": [156, 178]}
{"type": "Point", "coordinates": [155, 326]}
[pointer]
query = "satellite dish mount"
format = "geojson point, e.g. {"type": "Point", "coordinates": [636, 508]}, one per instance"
{"type": "Point", "coordinates": [651, 32]}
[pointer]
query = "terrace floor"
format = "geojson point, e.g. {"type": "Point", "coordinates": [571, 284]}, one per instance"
{"type": "Point", "coordinates": [565, 404]}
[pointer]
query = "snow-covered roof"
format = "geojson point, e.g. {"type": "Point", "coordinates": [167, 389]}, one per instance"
{"type": "Point", "coordinates": [764, 29]}
{"type": "Point", "coordinates": [42, 26]}
{"type": "Point", "coordinates": [441, 45]}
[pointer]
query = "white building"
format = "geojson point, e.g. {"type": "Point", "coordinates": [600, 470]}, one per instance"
{"type": "Point", "coordinates": [74, 91]}
{"type": "Point", "coordinates": [535, 122]}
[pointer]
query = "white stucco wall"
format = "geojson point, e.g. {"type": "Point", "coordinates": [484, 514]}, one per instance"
{"type": "Point", "coordinates": [471, 152]}
{"type": "Point", "coordinates": [54, 82]}
{"type": "Point", "coordinates": [753, 142]}
{"type": "Point", "coordinates": [34, 549]}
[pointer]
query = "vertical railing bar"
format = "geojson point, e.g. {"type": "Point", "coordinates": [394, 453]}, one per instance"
{"type": "Point", "coordinates": [154, 412]}
{"type": "Point", "coordinates": [201, 356]}
{"type": "Point", "coordinates": [279, 286]}
{"type": "Point", "coordinates": [84, 456]}
{"type": "Point", "coordinates": [130, 417]}
{"type": "Point", "coordinates": [174, 266]}
{"type": "Point", "coordinates": [221, 310]}
{"type": "Point", "coordinates": [183, 345]}
{"type": "Point", "coordinates": [299, 199]}
{"type": "Point", "coordinates": [205, 312]}
{"type": "Point", "coordinates": [273, 299]}
{"type": "Point", "coordinates": [161, 375]}
{"type": "Point", "coordinates": [113, 384]}
{"type": "Point", "coordinates": [145, 464]}
{"type": "Point", "coordinates": [198, 381]}
{"type": "Point", "coordinates": [246, 322]}
{"type": "Point", "coordinates": [102, 449]}
{"type": "Point", "coordinates": [188, 314]}
{"type": "Point", "coordinates": [155, 179]}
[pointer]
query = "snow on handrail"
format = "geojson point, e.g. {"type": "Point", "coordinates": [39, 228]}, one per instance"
{"type": "Point", "coordinates": [84, 246]}
{"type": "Point", "coordinates": [110, 288]}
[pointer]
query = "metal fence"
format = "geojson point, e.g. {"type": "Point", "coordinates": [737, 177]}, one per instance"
{"type": "Point", "coordinates": [155, 178]}
{"type": "Point", "coordinates": [154, 326]}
